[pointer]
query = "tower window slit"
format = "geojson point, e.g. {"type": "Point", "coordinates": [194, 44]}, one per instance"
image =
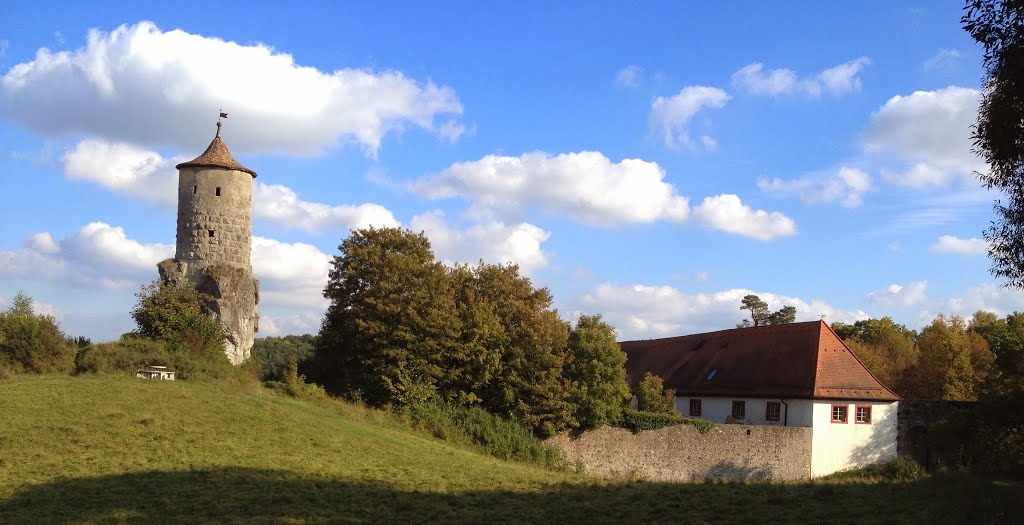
{"type": "Point", "coordinates": [211, 233]}
{"type": "Point", "coordinates": [195, 189]}
{"type": "Point", "coordinates": [218, 191]}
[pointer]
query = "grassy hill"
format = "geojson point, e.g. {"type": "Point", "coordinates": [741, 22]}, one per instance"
{"type": "Point", "coordinates": [95, 449]}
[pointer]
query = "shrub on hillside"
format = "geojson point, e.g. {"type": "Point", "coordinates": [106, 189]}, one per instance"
{"type": "Point", "coordinates": [902, 469]}
{"type": "Point", "coordinates": [125, 356]}
{"type": "Point", "coordinates": [500, 437]}
{"type": "Point", "coordinates": [133, 352]}
{"type": "Point", "coordinates": [295, 385]}
{"type": "Point", "coordinates": [174, 314]}
{"type": "Point", "coordinates": [31, 342]}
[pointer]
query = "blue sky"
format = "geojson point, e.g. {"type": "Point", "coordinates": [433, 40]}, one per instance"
{"type": "Point", "coordinates": [652, 164]}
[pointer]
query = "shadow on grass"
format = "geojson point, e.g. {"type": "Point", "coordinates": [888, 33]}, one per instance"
{"type": "Point", "coordinates": [243, 495]}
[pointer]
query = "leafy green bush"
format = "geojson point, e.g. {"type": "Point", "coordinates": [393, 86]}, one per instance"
{"type": "Point", "coordinates": [902, 469]}
{"type": "Point", "coordinates": [652, 396]}
{"type": "Point", "coordinates": [174, 314]}
{"type": "Point", "coordinates": [134, 352]}
{"type": "Point", "coordinates": [295, 385]}
{"type": "Point", "coordinates": [122, 357]}
{"type": "Point", "coordinates": [637, 421]}
{"type": "Point", "coordinates": [499, 437]}
{"type": "Point", "coordinates": [31, 342]}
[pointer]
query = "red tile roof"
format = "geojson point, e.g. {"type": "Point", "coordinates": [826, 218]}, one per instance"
{"type": "Point", "coordinates": [216, 156]}
{"type": "Point", "coordinates": [798, 360]}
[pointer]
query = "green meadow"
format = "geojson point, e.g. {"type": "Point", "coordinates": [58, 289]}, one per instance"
{"type": "Point", "coordinates": [115, 449]}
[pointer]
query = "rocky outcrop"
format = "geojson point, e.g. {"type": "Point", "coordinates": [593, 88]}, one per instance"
{"type": "Point", "coordinates": [230, 296]}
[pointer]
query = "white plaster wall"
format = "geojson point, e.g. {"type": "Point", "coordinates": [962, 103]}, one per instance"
{"type": "Point", "coordinates": [841, 446]}
{"type": "Point", "coordinates": [717, 409]}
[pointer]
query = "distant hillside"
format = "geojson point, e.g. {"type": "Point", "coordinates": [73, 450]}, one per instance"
{"type": "Point", "coordinates": [119, 449]}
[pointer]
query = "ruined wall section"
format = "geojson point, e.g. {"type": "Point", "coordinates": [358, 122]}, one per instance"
{"type": "Point", "coordinates": [682, 453]}
{"type": "Point", "coordinates": [214, 217]}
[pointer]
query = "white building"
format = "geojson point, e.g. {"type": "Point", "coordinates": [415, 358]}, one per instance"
{"type": "Point", "coordinates": [156, 372]}
{"type": "Point", "coordinates": [798, 374]}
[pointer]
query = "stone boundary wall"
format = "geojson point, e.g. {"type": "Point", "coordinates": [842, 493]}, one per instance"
{"type": "Point", "coordinates": [915, 419]}
{"type": "Point", "coordinates": [682, 453]}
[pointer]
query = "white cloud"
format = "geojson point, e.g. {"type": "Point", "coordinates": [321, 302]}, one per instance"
{"type": "Point", "coordinates": [290, 274]}
{"type": "Point", "coordinates": [670, 116]}
{"type": "Point", "coordinates": [283, 206]}
{"type": "Point", "coordinates": [838, 80]}
{"type": "Point", "coordinates": [301, 322]}
{"type": "Point", "coordinates": [929, 131]}
{"type": "Point", "coordinates": [847, 186]}
{"type": "Point", "coordinates": [126, 169]}
{"type": "Point", "coordinates": [494, 242]}
{"type": "Point", "coordinates": [162, 88]}
{"type": "Point", "coordinates": [586, 186]}
{"type": "Point", "coordinates": [147, 175]}
{"type": "Point", "coordinates": [727, 213]}
{"type": "Point", "coordinates": [97, 255]}
{"type": "Point", "coordinates": [643, 311]}
{"type": "Point", "coordinates": [101, 255]}
{"type": "Point", "coordinates": [943, 60]}
{"type": "Point", "coordinates": [921, 175]}
{"type": "Point", "coordinates": [952, 244]}
{"type": "Point", "coordinates": [989, 297]}
{"type": "Point", "coordinates": [899, 295]}
{"type": "Point", "coordinates": [629, 76]}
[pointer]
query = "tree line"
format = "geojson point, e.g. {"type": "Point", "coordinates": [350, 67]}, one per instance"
{"type": "Point", "coordinates": [951, 358]}
{"type": "Point", "coordinates": [403, 328]}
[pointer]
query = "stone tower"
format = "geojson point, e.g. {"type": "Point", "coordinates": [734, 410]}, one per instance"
{"type": "Point", "coordinates": [214, 242]}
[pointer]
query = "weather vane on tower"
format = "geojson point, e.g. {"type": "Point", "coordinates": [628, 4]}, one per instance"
{"type": "Point", "coordinates": [222, 115]}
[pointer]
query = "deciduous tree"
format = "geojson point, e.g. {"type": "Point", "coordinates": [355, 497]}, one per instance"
{"type": "Point", "coordinates": [652, 396]}
{"type": "Point", "coordinates": [998, 25]}
{"type": "Point", "coordinates": [596, 372]}
{"type": "Point", "coordinates": [954, 361]}
{"type": "Point", "coordinates": [173, 314]}
{"type": "Point", "coordinates": [31, 342]}
{"type": "Point", "coordinates": [390, 320]}
{"type": "Point", "coordinates": [886, 348]}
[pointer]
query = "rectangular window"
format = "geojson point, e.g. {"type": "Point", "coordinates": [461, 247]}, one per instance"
{"type": "Point", "coordinates": [772, 411]}
{"type": "Point", "coordinates": [195, 189]}
{"type": "Point", "coordinates": [839, 413]}
{"type": "Point", "coordinates": [739, 409]}
{"type": "Point", "coordinates": [863, 414]}
{"type": "Point", "coordinates": [211, 233]}
{"type": "Point", "coordinates": [695, 408]}
{"type": "Point", "coordinates": [218, 191]}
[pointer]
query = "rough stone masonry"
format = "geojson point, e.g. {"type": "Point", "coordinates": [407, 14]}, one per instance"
{"type": "Point", "coordinates": [214, 243]}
